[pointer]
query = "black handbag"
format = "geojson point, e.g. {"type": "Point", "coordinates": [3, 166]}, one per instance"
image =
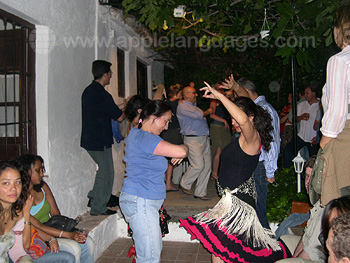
{"type": "Point", "coordinates": [62, 223]}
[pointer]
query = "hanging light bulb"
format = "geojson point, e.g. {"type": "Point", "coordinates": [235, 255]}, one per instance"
{"type": "Point", "coordinates": [265, 29]}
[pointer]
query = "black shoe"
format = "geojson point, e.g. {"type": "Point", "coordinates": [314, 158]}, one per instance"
{"type": "Point", "coordinates": [113, 201]}
{"type": "Point", "coordinates": [107, 213]}
{"type": "Point", "coordinates": [90, 202]}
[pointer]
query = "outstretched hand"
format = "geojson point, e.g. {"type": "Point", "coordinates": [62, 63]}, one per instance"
{"type": "Point", "coordinates": [230, 83]}
{"type": "Point", "coordinates": [210, 92]}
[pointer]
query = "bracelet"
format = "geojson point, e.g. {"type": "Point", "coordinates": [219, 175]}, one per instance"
{"type": "Point", "coordinates": [60, 234]}
{"type": "Point", "coordinates": [27, 223]}
{"type": "Point", "coordinates": [52, 239]}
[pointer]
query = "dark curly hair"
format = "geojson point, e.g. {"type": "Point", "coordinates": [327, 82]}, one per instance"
{"type": "Point", "coordinates": [155, 108]}
{"type": "Point", "coordinates": [135, 103]}
{"type": "Point", "coordinates": [342, 204]}
{"type": "Point", "coordinates": [341, 237]}
{"type": "Point", "coordinates": [262, 119]}
{"type": "Point", "coordinates": [28, 161]}
{"type": "Point", "coordinates": [18, 205]}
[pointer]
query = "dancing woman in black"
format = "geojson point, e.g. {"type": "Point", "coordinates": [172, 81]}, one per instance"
{"type": "Point", "coordinates": [231, 230]}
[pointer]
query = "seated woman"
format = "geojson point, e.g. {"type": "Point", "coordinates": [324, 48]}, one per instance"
{"type": "Point", "coordinates": [231, 231]}
{"type": "Point", "coordinates": [45, 206]}
{"type": "Point", "coordinates": [15, 226]}
{"type": "Point", "coordinates": [332, 210]}
{"type": "Point", "coordinates": [14, 210]}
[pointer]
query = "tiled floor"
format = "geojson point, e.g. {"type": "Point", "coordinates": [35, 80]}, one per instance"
{"type": "Point", "coordinates": [174, 252]}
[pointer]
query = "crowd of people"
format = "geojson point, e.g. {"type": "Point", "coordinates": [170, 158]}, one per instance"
{"type": "Point", "coordinates": [163, 133]}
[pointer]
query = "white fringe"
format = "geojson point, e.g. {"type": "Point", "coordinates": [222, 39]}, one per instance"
{"type": "Point", "coordinates": [241, 219]}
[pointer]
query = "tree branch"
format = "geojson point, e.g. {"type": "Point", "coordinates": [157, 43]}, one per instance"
{"type": "Point", "coordinates": [211, 33]}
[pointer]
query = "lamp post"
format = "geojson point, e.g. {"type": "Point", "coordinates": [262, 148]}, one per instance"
{"type": "Point", "coordinates": [298, 167]}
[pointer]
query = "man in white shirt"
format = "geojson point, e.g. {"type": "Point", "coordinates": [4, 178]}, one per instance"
{"type": "Point", "coordinates": [306, 112]}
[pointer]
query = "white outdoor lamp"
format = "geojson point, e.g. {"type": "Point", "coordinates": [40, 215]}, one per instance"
{"type": "Point", "coordinates": [298, 167]}
{"type": "Point", "coordinates": [179, 11]}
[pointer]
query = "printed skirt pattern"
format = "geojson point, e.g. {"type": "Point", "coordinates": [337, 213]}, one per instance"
{"type": "Point", "coordinates": [232, 231]}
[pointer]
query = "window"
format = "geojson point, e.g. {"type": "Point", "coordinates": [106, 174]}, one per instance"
{"type": "Point", "coordinates": [142, 87]}
{"type": "Point", "coordinates": [17, 91]}
{"type": "Point", "coordinates": [121, 73]}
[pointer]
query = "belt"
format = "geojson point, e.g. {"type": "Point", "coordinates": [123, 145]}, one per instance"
{"type": "Point", "coordinates": [195, 135]}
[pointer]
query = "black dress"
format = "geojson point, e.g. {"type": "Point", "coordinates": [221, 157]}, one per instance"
{"type": "Point", "coordinates": [231, 230]}
{"type": "Point", "coordinates": [172, 134]}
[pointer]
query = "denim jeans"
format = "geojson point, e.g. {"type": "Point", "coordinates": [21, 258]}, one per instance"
{"type": "Point", "coordinates": [103, 184]}
{"type": "Point", "coordinates": [261, 189]}
{"type": "Point", "coordinates": [143, 217]}
{"type": "Point", "coordinates": [83, 253]}
{"type": "Point", "coordinates": [59, 257]}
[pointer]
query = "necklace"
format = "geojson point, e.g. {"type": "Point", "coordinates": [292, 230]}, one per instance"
{"type": "Point", "coordinates": [6, 219]}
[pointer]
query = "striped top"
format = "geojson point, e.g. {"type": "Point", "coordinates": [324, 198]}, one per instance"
{"type": "Point", "coordinates": [336, 94]}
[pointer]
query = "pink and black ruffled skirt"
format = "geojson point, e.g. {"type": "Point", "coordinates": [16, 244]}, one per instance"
{"type": "Point", "coordinates": [232, 231]}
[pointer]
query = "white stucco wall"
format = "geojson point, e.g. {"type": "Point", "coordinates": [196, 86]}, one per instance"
{"type": "Point", "coordinates": [63, 70]}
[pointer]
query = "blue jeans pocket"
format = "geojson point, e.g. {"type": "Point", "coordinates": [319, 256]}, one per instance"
{"type": "Point", "coordinates": [128, 205]}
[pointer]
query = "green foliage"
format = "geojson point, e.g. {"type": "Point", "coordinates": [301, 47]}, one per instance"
{"type": "Point", "coordinates": [210, 22]}
{"type": "Point", "coordinates": [286, 18]}
{"type": "Point", "coordinates": [282, 193]}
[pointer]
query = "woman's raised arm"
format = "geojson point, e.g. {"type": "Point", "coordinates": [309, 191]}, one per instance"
{"type": "Point", "coordinates": [248, 130]}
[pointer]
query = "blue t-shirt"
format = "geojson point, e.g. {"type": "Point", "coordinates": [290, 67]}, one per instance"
{"type": "Point", "coordinates": [144, 170]}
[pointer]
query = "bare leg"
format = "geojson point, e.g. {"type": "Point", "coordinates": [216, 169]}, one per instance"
{"type": "Point", "coordinates": [215, 259]}
{"type": "Point", "coordinates": [168, 175]}
{"type": "Point", "coordinates": [216, 163]}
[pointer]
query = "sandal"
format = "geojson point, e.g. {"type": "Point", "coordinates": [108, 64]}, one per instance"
{"type": "Point", "coordinates": [132, 253]}
{"type": "Point", "coordinates": [214, 176]}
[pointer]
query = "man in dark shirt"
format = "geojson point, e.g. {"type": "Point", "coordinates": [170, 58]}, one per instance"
{"type": "Point", "coordinates": [98, 110]}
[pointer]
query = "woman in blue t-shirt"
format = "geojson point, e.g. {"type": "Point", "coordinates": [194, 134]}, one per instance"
{"type": "Point", "coordinates": [143, 191]}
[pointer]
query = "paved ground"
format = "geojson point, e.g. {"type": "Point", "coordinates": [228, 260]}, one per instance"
{"type": "Point", "coordinates": [178, 205]}
{"type": "Point", "coordinates": [173, 252]}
